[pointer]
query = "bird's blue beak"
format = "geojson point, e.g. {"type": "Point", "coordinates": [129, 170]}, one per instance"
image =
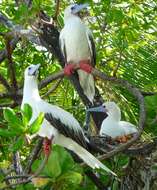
{"type": "Point", "coordinates": [78, 7]}
{"type": "Point", "coordinates": [101, 108]}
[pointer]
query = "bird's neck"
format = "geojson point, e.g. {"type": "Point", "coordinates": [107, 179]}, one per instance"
{"type": "Point", "coordinates": [114, 116]}
{"type": "Point", "coordinates": [30, 91]}
{"type": "Point", "coordinates": [72, 18]}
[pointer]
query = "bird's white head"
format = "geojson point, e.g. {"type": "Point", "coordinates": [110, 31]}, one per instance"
{"type": "Point", "coordinates": [73, 10]}
{"type": "Point", "coordinates": [31, 72]}
{"type": "Point", "coordinates": [113, 110]}
{"type": "Point", "coordinates": [30, 91]}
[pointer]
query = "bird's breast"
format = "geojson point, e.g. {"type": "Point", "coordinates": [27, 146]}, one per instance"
{"type": "Point", "coordinates": [76, 42]}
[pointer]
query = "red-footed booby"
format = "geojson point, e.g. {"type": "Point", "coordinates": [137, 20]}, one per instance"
{"type": "Point", "coordinates": [58, 125]}
{"type": "Point", "coordinates": [77, 46]}
{"type": "Point", "coordinates": [112, 125]}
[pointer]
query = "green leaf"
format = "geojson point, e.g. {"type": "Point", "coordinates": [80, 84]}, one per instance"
{"type": "Point", "coordinates": [8, 114]}
{"type": "Point", "coordinates": [69, 180]}
{"type": "Point", "coordinates": [26, 114]}
{"type": "Point", "coordinates": [53, 168]}
{"type": "Point", "coordinates": [19, 143]}
{"type": "Point", "coordinates": [40, 181]}
{"type": "Point", "coordinates": [66, 161]}
{"type": "Point", "coordinates": [36, 123]}
{"type": "Point", "coordinates": [6, 133]}
{"type": "Point", "coordinates": [13, 121]}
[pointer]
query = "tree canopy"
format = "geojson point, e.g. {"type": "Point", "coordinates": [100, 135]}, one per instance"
{"type": "Point", "coordinates": [126, 46]}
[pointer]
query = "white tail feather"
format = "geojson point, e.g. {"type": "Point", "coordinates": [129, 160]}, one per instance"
{"type": "Point", "coordinates": [87, 157]}
{"type": "Point", "coordinates": [87, 84]}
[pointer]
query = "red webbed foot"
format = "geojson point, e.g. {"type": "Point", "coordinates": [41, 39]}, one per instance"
{"type": "Point", "coordinates": [47, 146]}
{"type": "Point", "coordinates": [85, 66]}
{"type": "Point", "coordinates": [69, 69]}
{"type": "Point", "coordinates": [123, 139]}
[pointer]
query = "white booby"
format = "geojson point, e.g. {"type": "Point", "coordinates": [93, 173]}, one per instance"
{"type": "Point", "coordinates": [58, 123]}
{"type": "Point", "coordinates": [77, 44]}
{"type": "Point", "coordinates": [112, 125]}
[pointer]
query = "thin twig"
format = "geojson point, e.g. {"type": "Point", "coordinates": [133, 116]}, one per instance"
{"type": "Point", "coordinates": [115, 70]}
{"type": "Point", "coordinates": [148, 93]}
{"type": "Point", "coordinates": [5, 83]}
{"type": "Point", "coordinates": [13, 43]}
{"type": "Point", "coordinates": [16, 177]}
{"type": "Point", "coordinates": [38, 171]}
{"type": "Point", "coordinates": [11, 65]}
{"type": "Point", "coordinates": [50, 78]}
{"type": "Point", "coordinates": [56, 10]}
{"type": "Point", "coordinates": [143, 149]}
{"type": "Point", "coordinates": [33, 155]}
{"type": "Point", "coordinates": [17, 163]}
{"type": "Point", "coordinates": [15, 184]}
{"type": "Point", "coordinates": [11, 105]}
{"type": "Point", "coordinates": [53, 88]}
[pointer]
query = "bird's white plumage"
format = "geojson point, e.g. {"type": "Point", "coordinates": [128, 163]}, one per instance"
{"type": "Point", "coordinates": [76, 46]}
{"type": "Point", "coordinates": [31, 96]}
{"type": "Point", "coordinates": [112, 126]}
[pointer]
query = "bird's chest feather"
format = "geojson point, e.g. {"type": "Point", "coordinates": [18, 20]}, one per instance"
{"type": "Point", "coordinates": [76, 42]}
{"type": "Point", "coordinates": [111, 128]}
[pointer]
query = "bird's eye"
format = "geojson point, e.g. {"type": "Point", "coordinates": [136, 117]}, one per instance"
{"type": "Point", "coordinates": [72, 8]}
{"type": "Point", "coordinates": [29, 68]}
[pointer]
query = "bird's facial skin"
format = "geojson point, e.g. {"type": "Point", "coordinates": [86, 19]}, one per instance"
{"type": "Point", "coordinates": [32, 70]}
{"type": "Point", "coordinates": [75, 10]}
{"type": "Point", "coordinates": [109, 106]}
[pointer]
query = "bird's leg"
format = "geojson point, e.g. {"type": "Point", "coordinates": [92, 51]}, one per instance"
{"type": "Point", "coordinates": [69, 68]}
{"type": "Point", "coordinates": [47, 145]}
{"type": "Point", "coordinates": [85, 66]}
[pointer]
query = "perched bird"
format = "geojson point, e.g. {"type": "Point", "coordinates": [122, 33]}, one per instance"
{"type": "Point", "coordinates": [58, 125]}
{"type": "Point", "coordinates": [112, 125]}
{"type": "Point", "coordinates": [77, 46]}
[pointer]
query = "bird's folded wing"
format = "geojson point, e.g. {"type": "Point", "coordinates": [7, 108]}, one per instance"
{"type": "Point", "coordinates": [128, 128]}
{"type": "Point", "coordinates": [68, 131]}
{"type": "Point", "coordinates": [91, 46]}
{"type": "Point", "coordinates": [62, 45]}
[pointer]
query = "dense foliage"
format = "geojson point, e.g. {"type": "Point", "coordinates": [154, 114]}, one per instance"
{"type": "Point", "coordinates": [125, 36]}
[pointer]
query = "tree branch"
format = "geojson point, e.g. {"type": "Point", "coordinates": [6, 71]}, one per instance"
{"type": "Point", "coordinates": [5, 83]}
{"type": "Point", "coordinates": [56, 10]}
{"type": "Point", "coordinates": [33, 155]}
{"type": "Point", "coordinates": [11, 66]}
{"type": "Point", "coordinates": [53, 88]}
{"type": "Point", "coordinates": [148, 93]}
{"type": "Point", "coordinates": [13, 43]}
{"type": "Point", "coordinates": [17, 163]}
